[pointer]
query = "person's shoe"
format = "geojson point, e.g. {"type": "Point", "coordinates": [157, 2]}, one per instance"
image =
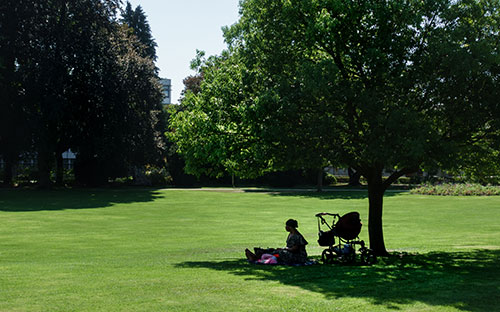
{"type": "Point", "coordinates": [250, 256]}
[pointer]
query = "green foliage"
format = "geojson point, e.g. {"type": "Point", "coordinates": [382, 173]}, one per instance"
{"type": "Point", "coordinates": [330, 179]}
{"type": "Point", "coordinates": [137, 21]}
{"type": "Point", "coordinates": [158, 176]}
{"type": "Point", "coordinates": [209, 131]}
{"type": "Point", "coordinates": [463, 189]}
{"type": "Point", "coordinates": [404, 180]}
{"type": "Point", "coordinates": [371, 75]}
{"type": "Point", "coordinates": [366, 85]}
{"type": "Point", "coordinates": [481, 163]}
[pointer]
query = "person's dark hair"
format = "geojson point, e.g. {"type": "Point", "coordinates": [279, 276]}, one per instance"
{"type": "Point", "coordinates": [292, 223]}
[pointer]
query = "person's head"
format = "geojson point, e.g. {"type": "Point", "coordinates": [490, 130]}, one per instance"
{"type": "Point", "coordinates": [291, 225]}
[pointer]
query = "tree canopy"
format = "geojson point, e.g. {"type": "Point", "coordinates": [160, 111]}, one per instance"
{"type": "Point", "coordinates": [393, 85]}
{"type": "Point", "coordinates": [138, 23]}
{"type": "Point", "coordinates": [78, 80]}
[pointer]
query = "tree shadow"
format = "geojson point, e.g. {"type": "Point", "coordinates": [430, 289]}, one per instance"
{"type": "Point", "coordinates": [325, 194]}
{"type": "Point", "coordinates": [468, 281]}
{"type": "Point", "coordinates": [22, 200]}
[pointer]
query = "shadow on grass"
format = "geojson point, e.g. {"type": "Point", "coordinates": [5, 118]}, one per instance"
{"type": "Point", "coordinates": [327, 193]}
{"type": "Point", "coordinates": [468, 281]}
{"type": "Point", "coordinates": [37, 200]}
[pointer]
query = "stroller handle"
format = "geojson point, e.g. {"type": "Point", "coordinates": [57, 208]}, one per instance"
{"type": "Point", "coordinates": [322, 220]}
{"type": "Point", "coordinates": [327, 214]}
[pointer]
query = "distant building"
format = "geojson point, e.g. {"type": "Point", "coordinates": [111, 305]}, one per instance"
{"type": "Point", "coordinates": [28, 160]}
{"type": "Point", "coordinates": [69, 159]}
{"type": "Point", "coordinates": [167, 90]}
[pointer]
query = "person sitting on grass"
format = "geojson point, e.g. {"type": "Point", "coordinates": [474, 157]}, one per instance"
{"type": "Point", "coordinates": [293, 253]}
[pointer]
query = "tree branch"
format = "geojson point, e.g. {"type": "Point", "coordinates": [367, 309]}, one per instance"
{"type": "Point", "coordinates": [396, 175]}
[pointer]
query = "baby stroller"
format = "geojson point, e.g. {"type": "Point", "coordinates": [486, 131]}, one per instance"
{"type": "Point", "coordinates": [346, 229]}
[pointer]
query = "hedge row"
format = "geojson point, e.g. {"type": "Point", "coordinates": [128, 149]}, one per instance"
{"type": "Point", "coordinates": [449, 189]}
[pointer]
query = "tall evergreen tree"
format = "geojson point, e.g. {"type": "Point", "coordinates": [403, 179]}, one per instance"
{"type": "Point", "coordinates": [137, 21]}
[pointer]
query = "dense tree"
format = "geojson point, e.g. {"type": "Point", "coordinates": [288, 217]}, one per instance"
{"type": "Point", "coordinates": [14, 134]}
{"type": "Point", "coordinates": [78, 80]}
{"type": "Point", "coordinates": [64, 41]}
{"type": "Point", "coordinates": [208, 130]}
{"type": "Point", "coordinates": [192, 83]}
{"type": "Point", "coordinates": [481, 162]}
{"type": "Point", "coordinates": [137, 21]}
{"type": "Point", "coordinates": [226, 141]}
{"type": "Point", "coordinates": [398, 85]}
{"type": "Point", "coordinates": [176, 163]}
{"type": "Point", "coordinates": [128, 131]}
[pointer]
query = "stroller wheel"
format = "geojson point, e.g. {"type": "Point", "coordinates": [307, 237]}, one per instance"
{"type": "Point", "coordinates": [368, 257]}
{"type": "Point", "coordinates": [328, 256]}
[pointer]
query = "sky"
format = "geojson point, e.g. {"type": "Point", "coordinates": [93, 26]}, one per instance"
{"type": "Point", "coordinates": [182, 26]}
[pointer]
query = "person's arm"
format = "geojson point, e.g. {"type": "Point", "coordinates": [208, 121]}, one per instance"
{"type": "Point", "coordinates": [294, 241]}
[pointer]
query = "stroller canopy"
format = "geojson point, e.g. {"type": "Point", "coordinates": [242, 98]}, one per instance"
{"type": "Point", "coordinates": [348, 226]}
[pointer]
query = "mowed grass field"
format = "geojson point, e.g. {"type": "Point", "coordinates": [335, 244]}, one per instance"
{"type": "Point", "coordinates": [180, 250]}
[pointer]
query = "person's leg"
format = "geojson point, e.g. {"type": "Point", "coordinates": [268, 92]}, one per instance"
{"type": "Point", "coordinates": [250, 255]}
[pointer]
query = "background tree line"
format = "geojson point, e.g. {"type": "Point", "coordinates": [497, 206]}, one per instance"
{"type": "Point", "coordinates": [73, 74]}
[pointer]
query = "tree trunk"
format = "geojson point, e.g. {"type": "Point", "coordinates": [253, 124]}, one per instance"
{"type": "Point", "coordinates": [319, 184]}
{"type": "Point", "coordinates": [43, 160]}
{"type": "Point", "coordinates": [354, 177]}
{"type": "Point", "coordinates": [376, 190]}
{"type": "Point", "coordinates": [59, 169]}
{"type": "Point", "coordinates": [9, 165]}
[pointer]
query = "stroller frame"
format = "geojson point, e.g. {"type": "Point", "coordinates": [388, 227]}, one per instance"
{"type": "Point", "coordinates": [348, 238]}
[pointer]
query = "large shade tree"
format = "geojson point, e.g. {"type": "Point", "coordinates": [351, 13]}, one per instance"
{"type": "Point", "coordinates": [127, 131]}
{"type": "Point", "coordinates": [63, 50]}
{"type": "Point", "coordinates": [377, 85]}
{"type": "Point", "coordinates": [76, 78]}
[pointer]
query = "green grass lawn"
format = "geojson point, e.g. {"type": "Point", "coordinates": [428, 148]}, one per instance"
{"type": "Point", "coordinates": [171, 250]}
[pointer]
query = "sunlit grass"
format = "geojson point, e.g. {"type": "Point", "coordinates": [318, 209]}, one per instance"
{"type": "Point", "coordinates": [167, 250]}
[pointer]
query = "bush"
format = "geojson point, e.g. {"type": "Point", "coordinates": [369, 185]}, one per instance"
{"type": "Point", "coordinates": [341, 179]}
{"type": "Point", "coordinates": [449, 189]}
{"type": "Point", "coordinates": [129, 180]}
{"type": "Point", "coordinates": [330, 179]}
{"type": "Point", "coordinates": [26, 175]}
{"type": "Point", "coordinates": [404, 180]}
{"type": "Point", "coordinates": [158, 176]}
